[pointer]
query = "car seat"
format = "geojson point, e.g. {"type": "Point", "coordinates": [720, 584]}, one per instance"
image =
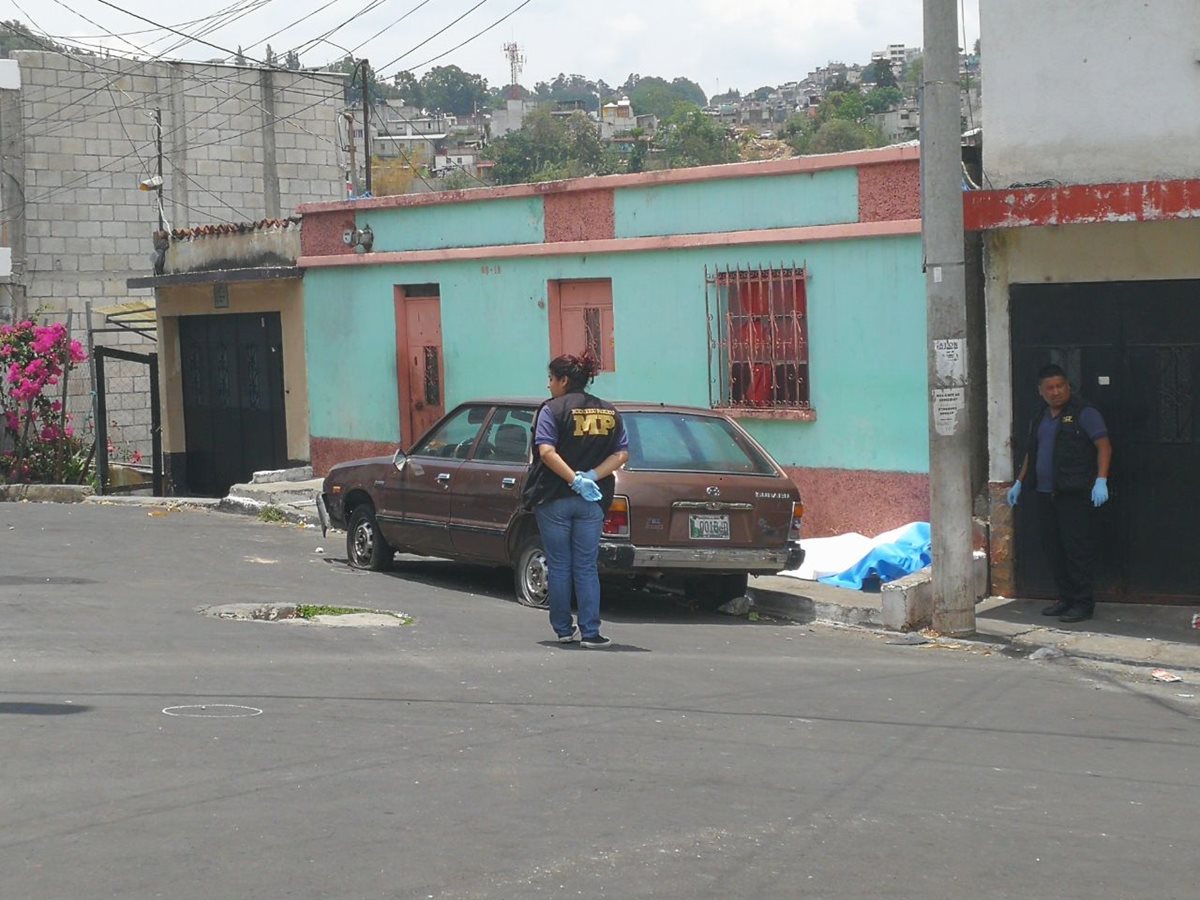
{"type": "Point", "coordinates": [512, 443]}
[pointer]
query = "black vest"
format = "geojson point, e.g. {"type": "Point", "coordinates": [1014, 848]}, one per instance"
{"type": "Point", "coordinates": [588, 432]}
{"type": "Point", "coordinates": [1074, 453]}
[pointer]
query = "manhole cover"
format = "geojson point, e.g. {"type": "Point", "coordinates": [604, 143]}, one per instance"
{"type": "Point", "coordinates": [213, 711]}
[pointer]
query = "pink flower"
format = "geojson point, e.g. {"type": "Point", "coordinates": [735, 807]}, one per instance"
{"type": "Point", "coordinates": [49, 433]}
{"type": "Point", "coordinates": [137, 456]}
{"type": "Point", "coordinates": [56, 406]}
{"type": "Point", "coordinates": [77, 352]}
{"type": "Point", "coordinates": [69, 431]}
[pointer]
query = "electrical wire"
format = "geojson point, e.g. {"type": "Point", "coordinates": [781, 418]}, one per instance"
{"type": "Point", "coordinates": [477, 34]}
{"type": "Point", "coordinates": [431, 37]}
{"type": "Point", "coordinates": [390, 25]}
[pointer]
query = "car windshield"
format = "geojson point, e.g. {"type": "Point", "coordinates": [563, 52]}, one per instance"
{"type": "Point", "coordinates": [678, 442]}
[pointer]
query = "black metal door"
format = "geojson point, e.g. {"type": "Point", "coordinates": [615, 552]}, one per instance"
{"type": "Point", "coordinates": [232, 399]}
{"type": "Point", "coordinates": [1133, 349]}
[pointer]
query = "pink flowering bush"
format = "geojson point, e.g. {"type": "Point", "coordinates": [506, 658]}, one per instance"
{"type": "Point", "coordinates": [38, 442]}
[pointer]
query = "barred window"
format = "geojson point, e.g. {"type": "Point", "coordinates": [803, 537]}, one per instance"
{"type": "Point", "coordinates": [759, 328]}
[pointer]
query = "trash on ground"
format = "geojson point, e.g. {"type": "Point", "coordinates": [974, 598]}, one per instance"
{"type": "Point", "coordinates": [1164, 675]}
{"type": "Point", "coordinates": [738, 606]}
{"type": "Point", "coordinates": [320, 550]}
{"type": "Point", "coordinates": [1196, 620]}
{"type": "Point", "coordinates": [1046, 653]}
{"type": "Point", "coordinates": [912, 638]}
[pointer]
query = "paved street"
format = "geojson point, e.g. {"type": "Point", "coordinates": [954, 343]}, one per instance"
{"type": "Point", "coordinates": [466, 756]}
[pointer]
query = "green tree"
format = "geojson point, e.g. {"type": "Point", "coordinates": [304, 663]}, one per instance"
{"type": "Point", "coordinates": [763, 93]}
{"type": "Point", "coordinates": [880, 73]}
{"type": "Point", "coordinates": [882, 99]}
{"type": "Point", "coordinates": [291, 60]}
{"type": "Point", "coordinates": [658, 97]}
{"type": "Point", "coordinates": [838, 135]}
{"type": "Point", "coordinates": [548, 147]}
{"type": "Point", "coordinates": [636, 161]}
{"type": "Point", "coordinates": [797, 132]}
{"type": "Point", "coordinates": [914, 74]}
{"type": "Point", "coordinates": [452, 90]}
{"type": "Point", "coordinates": [409, 88]}
{"type": "Point", "coordinates": [239, 58]}
{"type": "Point", "coordinates": [269, 56]}
{"type": "Point", "coordinates": [848, 105]}
{"type": "Point", "coordinates": [378, 90]}
{"type": "Point", "coordinates": [690, 138]}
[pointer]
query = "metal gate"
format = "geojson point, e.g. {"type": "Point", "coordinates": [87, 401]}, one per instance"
{"type": "Point", "coordinates": [1132, 349]}
{"type": "Point", "coordinates": [233, 400]}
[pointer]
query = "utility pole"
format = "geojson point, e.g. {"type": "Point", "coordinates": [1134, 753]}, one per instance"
{"type": "Point", "coordinates": [366, 91]}
{"type": "Point", "coordinates": [158, 190]}
{"type": "Point", "coordinates": [349, 117]}
{"type": "Point", "coordinates": [946, 310]}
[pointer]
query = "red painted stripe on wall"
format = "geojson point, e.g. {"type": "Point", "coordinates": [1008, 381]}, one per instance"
{"type": "Point", "coordinates": [1082, 204]}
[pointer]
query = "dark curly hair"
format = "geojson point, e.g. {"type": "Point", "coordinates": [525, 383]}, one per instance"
{"type": "Point", "coordinates": [578, 370]}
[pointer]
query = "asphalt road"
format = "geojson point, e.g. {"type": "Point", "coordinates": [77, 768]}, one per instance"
{"type": "Point", "coordinates": [467, 756]}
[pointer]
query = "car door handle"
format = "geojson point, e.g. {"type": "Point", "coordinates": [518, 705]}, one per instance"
{"type": "Point", "coordinates": [444, 478]}
{"type": "Point", "coordinates": [507, 483]}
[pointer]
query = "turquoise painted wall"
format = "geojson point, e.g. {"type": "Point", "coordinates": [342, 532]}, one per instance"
{"type": "Point", "coordinates": [867, 336]}
{"type": "Point", "coordinates": [485, 224]}
{"type": "Point", "coordinates": [738, 204]}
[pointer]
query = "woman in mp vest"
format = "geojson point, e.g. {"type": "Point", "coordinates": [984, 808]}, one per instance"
{"type": "Point", "coordinates": [579, 442]}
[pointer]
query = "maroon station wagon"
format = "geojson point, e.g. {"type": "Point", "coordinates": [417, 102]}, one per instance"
{"type": "Point", "coordinates": [699, 506]}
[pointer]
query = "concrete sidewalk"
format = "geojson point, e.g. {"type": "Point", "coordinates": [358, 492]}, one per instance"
{"type": "Point", "coordinates": [1134, 634]}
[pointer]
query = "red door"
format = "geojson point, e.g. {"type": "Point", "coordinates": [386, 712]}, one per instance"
{"type": "Point", "coordinates": [420, 368]}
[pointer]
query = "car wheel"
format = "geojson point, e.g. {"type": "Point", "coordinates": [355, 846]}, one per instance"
{"type": "Point", "coordinates": [531, 575]}
{"type": "Point", "coordinates": [366, 547]}
{"type": "Point", "coordinates": [713, 591]}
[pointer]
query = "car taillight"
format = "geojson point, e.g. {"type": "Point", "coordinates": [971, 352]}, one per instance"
{"type": "Point", "coordinates": [616, 523]}
{"type": "Point", "coordinates": [797, 518]}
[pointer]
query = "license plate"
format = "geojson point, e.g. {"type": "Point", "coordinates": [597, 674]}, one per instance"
{"type": "Point", "coordinates": [708, 528]}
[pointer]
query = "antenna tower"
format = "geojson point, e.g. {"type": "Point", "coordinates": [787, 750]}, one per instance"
{"type": "Point", "coordinates": [516, 64]}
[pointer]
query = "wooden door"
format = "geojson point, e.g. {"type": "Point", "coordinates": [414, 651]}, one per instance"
{"type": "Point", "coordinates": [420, 367]}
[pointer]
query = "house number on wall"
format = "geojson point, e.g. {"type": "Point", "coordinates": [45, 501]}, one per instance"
{"type": "Point", "coordinates": [490, 270]}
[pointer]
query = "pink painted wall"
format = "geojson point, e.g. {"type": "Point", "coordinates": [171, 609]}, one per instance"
{"type": "Point", "coordinates": [889, 191]}
{"type": "Point", "coordinates": [837, 501]}
{"type": "Point", "coordinates": [327, 452]}
{"type": "Point", "coordinates": [580, 216]}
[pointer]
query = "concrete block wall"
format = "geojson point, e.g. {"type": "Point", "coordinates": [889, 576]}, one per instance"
{"type": "Point", "coordinates": [239, 144]}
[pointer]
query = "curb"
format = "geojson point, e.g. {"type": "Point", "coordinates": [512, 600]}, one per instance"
{"type": "Point", "coordinates": [45, 493]}
{"type": "Point", "coordinates": [248, 506]}
{"type": "Point", "coordinates": [803, 610]}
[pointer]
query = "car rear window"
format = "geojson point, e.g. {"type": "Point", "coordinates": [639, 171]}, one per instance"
{"type": "Point", "coordinates": [674, 442]}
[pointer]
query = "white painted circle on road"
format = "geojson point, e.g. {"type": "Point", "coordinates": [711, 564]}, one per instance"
{"type": "Point", "coordinates": [213, 711]}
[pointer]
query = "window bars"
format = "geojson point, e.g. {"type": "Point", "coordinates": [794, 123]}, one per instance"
{"type": "Point", "coordinates": [758, 337]}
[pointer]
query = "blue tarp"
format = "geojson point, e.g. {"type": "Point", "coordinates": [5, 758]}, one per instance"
{"type": "Point", "coordinates": [910, 550]}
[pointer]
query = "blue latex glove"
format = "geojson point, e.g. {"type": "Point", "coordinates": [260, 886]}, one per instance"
{"type": "Point", "coordinates": [586, 488]}
{"type": "Point", "coordinates": [591, 473]}
{"type": "Point", "coordinates": [1100, 492]}
{"type": "Point", "coordinates": [1013, 493]}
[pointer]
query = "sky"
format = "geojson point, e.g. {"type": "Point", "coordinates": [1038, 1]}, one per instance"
{"type": "Point", "coordinates": [721, 44]}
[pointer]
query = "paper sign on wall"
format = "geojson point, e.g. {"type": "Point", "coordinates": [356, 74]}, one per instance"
{"type": "Point", "coordinates": [947, 403]}
{"type": "Point", "coordinates": [951, 360]}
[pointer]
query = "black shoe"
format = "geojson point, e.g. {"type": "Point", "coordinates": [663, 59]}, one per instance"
{"type": "Point", "coordinates": [1077, 614]}
{"type": "Point", "coordinates": [596, 642]}
{"type": "Point", "coordinates": [569, 638]}
{"type": "Point", "coordinates": [1057, 608]}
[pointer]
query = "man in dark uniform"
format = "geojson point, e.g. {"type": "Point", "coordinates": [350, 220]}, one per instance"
{"type": "Point", "coordinates": [1070, 451]}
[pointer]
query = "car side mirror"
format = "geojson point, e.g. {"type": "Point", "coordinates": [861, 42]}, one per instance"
{"type": "Point", "coordinates": [399, 460]}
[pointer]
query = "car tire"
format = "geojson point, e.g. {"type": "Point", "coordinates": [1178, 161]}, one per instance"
{"type": "Point", "coordinates": [713, 591]}
{"type": "Point", "coordinates": [366, 547]}
{"type": "Point", "coordinates": [530, 575]}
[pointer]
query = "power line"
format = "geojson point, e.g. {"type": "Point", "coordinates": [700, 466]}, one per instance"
{"type": "Point", "coordinates": [393, 24]}
{"type": "Point", "coordinates": [431, 37]}
{"type": "Point", "coordinates": [477, 34]}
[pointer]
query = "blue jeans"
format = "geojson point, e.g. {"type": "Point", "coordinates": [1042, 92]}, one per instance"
{"type": "Point", "coordinates": [571, 528]}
